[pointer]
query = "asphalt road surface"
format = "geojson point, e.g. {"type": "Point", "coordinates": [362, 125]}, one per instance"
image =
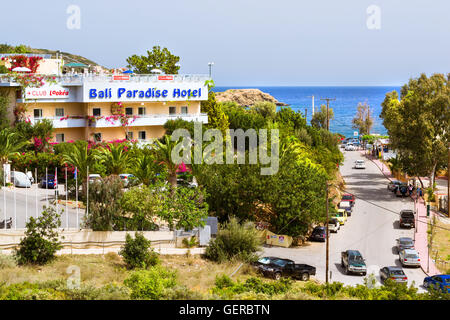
{"type": "Point", "coordinates": [22, 203]}
{"type": "Point", "coordinates": [371, 229]}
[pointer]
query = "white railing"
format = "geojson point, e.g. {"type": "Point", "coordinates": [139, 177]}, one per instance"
{"type": "Point", "coordinates": [89, 77]}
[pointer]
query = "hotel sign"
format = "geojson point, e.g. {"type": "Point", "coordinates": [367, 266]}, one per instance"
{"type": "Point", "coordinates": [47, 92]}
{"type": "Point", "coordinates": [115, 92]}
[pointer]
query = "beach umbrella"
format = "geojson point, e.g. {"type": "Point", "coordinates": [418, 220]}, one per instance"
{"type": "Point", "coordinates": [21, 69]}
{"type": "Point", "coordinates": [127, 71]}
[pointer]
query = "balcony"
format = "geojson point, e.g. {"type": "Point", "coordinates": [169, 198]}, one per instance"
{"type": "Point", "coordinates": [61, 122]}
{"type": "Point", "coordinates": [148, 120]}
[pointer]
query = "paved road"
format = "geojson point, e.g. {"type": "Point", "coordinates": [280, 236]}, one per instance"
{"type": "Point", "coordinates": [371, 229]}
{"type": "Point", "coordinates": [30, 202]}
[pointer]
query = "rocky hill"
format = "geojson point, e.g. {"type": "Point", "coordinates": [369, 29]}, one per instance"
{"type": "Point", "coordinates": [246, 97]}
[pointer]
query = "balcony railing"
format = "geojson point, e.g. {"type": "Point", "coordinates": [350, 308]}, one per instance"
{"type": "Point", "coordinates": [110, 122]}
{"type": "Point", "coordinates": [78, 79]}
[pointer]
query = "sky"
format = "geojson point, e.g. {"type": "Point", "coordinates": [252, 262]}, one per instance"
{"type": "Point", "coordinates": [251, 42]}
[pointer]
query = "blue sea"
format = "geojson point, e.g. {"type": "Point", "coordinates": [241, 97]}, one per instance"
{"type": "Point", "coordinates": [344, 107]}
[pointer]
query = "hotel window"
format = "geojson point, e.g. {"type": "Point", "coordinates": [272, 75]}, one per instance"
{"type": "Point", "coordinates": [141, 111]}
{"type": "Point", "coordinates": [172, 110]}
{"type": "Point", "coordinates": [129, 111]}
{"type": "Point", "coordinates": [142, 135]}
{"type": "Point", "coordinates": [97, 137]}
{"type": "Point", "coordinates": [59, 112]}
{"type": "Point", "coordinates": [59, 137]}
{"type": "Point", "coordinates": [37, 113]}
{"type": "Point", "coordinates": [184, 110]}
{"type": "Point", "coordinates": [129, 135]}
{"type": "Point", "coordinates": [97, 112]}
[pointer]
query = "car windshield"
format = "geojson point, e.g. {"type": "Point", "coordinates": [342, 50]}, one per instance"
{"type": "Point", "coordinates": [280, 262]}
{"type": "Point", "coordinates": [356, 258]}
{"type": "Point", "coordinates": [397, 272]}
{"type": "Point", "coordinates": [264, 260]}
{"type": "Point", "coordinates": [347, 197]}
{"type": "Point", "coordinates": [406, 242]}
{"type": "Point", "coordinates": [340, 214]}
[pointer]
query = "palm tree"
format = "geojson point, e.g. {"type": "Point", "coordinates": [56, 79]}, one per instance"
{"type": "Point", "coordinates": [163, 154]}
{"type": "Point", "coordinates": [395, 166]}
{"type": "Point", "coordinates": [115, 158]}
{"type": "Point", "coordinates": [10, 144]}
{"type": "Point", "coordinates": [81, 157]}
{"type": "Point", "coordinates": [145, 167]}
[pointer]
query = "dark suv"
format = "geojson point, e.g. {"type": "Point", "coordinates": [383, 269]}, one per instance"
{"type": "Point", "coordinates": [407, 219]}
{"type": "Point", "coordinates": [319, 234]}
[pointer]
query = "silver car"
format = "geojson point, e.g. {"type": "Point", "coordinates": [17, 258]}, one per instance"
{"type": "Point", "coordinates": [20, 179]}
{"type": "Point", "coordinates": [409, 257]}
{"type": "Point", "coordinates": [393, 273]}
{"type": "Point", "coordinates": [404, 243]}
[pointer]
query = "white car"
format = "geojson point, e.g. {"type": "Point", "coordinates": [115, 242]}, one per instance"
{"type": "Point", "coordinates": [360, 164]}
{"type": "Point", "coordinates": [94, 177]}
{"type": "Point", "coordinates": [333, 225]}
{"type": "Point", "coordinates": [350, 147]}
{"type": "Point", "coordinates": [409, 257]}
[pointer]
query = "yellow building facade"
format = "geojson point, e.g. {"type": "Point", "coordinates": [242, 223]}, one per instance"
{"type": "Point", "coordinates": [85, 107]}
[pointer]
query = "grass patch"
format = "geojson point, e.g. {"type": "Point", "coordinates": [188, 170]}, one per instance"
{"type": "Point", "coordinates": [441, 246]}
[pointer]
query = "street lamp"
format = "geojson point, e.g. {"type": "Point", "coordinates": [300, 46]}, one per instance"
{"type": "Point", "coordinates": [210, 64]}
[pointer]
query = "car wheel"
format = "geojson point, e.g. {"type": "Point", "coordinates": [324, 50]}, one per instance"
{"type": "Point", "coordinates": [305, 276]}
{"type": "Point", "coordinates": [342, 263]}
{"type": "Point", "coordinates": [347, 271]}
{"type": "Point", "coordinates": [425, 284]}
{"type": "Point", "coordinates": [364, 273]}
{"type": "Point", "coordinates": [277, 276]}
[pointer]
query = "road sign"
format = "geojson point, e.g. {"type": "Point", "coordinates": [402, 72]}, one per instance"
{"type": "Point", "coordinates": [355, 133]}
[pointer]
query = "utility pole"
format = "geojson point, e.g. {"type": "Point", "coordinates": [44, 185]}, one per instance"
{"type": "Point", "coordinates": [328, 103]}
{"type": "Point", "coordinates": [328, 238]}
{"type": "Point", "coordinates": [306, 114]}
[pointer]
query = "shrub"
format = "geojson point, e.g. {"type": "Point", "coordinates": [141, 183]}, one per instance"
{"type": "Point", "coordinates": [137, 252]}
{"type": "Point", "coordinates": [150, 284]}
{"type": "Point", "coordinates": [41, 242]}
{"type": "Point", "coordinates": [7, 261]}
{"type": "Point", "coordinates": [227, 288]}
{"type": "Point", "coordinates": [234, 241]}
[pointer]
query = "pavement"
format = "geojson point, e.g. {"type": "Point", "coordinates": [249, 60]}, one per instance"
{"type": "Point", "coordinates": [22, 203]}
{"type": "Point", "coordinates": [372, 229]}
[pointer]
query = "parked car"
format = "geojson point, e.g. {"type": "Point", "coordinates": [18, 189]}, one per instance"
{"type": "Point", "coordinates": [94, 177]}
{"type": "Point", "coordinates": [348, 197]}
{"type": "Point", "coordinates": [20, 179]}
{"type": "Point", "coordinates": [30, 176]}
{"type": "Point", "coordinates": [392, 186]}
{"type": "Point", "coordinates": [439, 282]}
{"type": "Point", "coordinates": [48, 182]}
{"type": "Point", "coordinates": [409, 257]}
{"type": "Point", "coordinates": [127, 179]}
{"type": "Point", "coordinates": [277, 267]}
{"type": "Point", "coordinates": [334, 225]}
{"type": "Point", "coordinates": [360, 164]}
{"type": "Point", "coordinates": [407, 219]}
{"type": "Point", "coordinates": [353, 262]}
{"type": "Point", "coordinates": [319, 234]}
{"type": "Point", "coordinates": [350, 147]}
{"type": "Point", "coordinates": [341, 216]}
{"type": "Point", "coordinates": [394, 273]}
{"type": "Point", "coordinates": [404, 243]}
{"type": "Point", "coordinates": [346, 205]}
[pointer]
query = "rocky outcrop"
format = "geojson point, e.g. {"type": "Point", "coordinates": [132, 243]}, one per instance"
{"type": "Point", "coordinates": [246, 97]}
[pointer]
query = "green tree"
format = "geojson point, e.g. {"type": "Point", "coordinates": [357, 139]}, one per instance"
{"type": "Point", "coordinates": [158, 58]}
{"type": "Point", "coordinates": [41, 241]}
{"type": "Point", "coordinates": [80, 156]}
{"type": "Point", "coordinates": [137, 252]}
{"type": "Point", "coordinates": [266, 109]}
{"type": "Point", "coordinates": [115, 158]}
{"type": "Point", "coordinates": [241, 118]}
{"type": "Point", "coordinates": [418, 124]}
{"type": "Point", "coordinates": [216, 117]}
{"type": "Point", "coordinates": [141, 204]}
{"type": "Point", "coordinates": [10, 144]}
{"type": "Point", "coordinates": [145, 167]}
{"type": "Point", "coordinates": [163, 154]}
{"type": "Point", "coordinates": [319, 118]}
{"type": "Point", "coordinates": [4, 103]}
{"type": "Point", "coordinates": [185, 208]}
{"type": "Point", "coordinates": [105, 210]}
{"type": "Point", "coordinates": [363, 120]}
